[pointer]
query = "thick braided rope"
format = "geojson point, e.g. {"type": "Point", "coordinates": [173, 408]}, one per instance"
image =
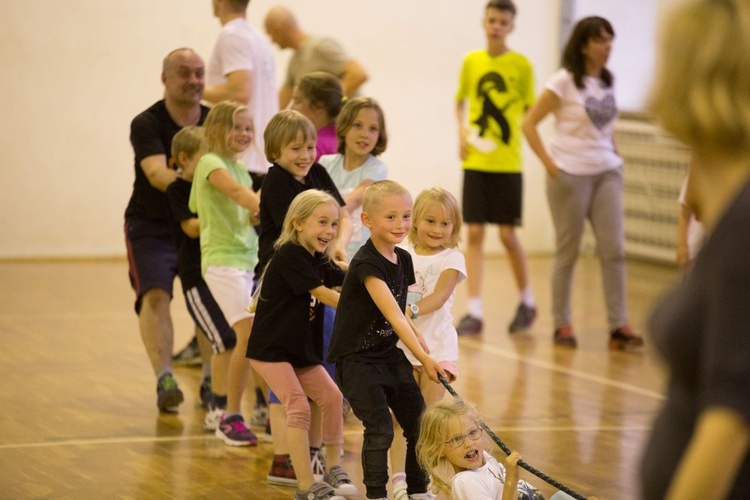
{"type": "Point", "coordinates": [507, 451]}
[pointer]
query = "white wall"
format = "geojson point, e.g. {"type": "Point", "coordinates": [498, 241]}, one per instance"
{"type": "Point", "coordinates": [77, 71]}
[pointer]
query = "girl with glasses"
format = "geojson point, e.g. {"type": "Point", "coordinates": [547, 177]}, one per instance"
{"type": "Point", "coordinates": [451, 450]}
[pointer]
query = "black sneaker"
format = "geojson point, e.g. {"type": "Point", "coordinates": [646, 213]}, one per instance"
{"type": "Point", "coordinates": [190, 355]}
{"type": "Point", "coordinates": [233, 431]}
{"type": "Point", "coordinates": [525, 316]}
{"type": "Point", "coordinates": [207, 397]}
{"type": "Point", "coordinates": [469, 325]}
{"type": "Point", "coordinates": [168, 394]}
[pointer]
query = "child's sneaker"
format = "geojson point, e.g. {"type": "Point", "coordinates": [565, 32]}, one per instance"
{"type": "Point", "coordinates": [233, 431]}
{"type": "Point", "coordinates": [318, 491]}
{"type": "Point", "coordinates": [207, 397]}
{"type": "Point", "coordinates": [260, 414]}
{"type": "Point", "coordinates": [168, 394]}
{"type": "Point", "coordinates": [282, 472]}
{"type": "Point", "coordinates": [267, 436]}
{"type": "Point", "coordinates": [190, 355]}
{"type": "Point", "coordinates": [212, 419]}
{"type": "Point", "coordinates": [339, 480]}
{"type": "Point", "coordinates": [318, 462]}
{"type": "Point", "coordinates": [525, 316]}
{"type": "Point", "coordinates": [399, 491]}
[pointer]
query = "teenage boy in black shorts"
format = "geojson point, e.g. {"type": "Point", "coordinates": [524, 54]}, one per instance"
{"type": "Point", "coordinates": [498, 83]}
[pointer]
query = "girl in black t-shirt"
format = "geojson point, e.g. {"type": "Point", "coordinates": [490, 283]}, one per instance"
{"type": "Point", "coordinates": [286, 343]}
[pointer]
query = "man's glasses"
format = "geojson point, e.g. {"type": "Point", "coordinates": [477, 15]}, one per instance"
{"type": "Point", "coordinates": [459, 440]}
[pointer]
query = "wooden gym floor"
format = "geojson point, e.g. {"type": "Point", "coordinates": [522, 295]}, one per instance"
{"type": "Point", "coordinates": [79, 418]}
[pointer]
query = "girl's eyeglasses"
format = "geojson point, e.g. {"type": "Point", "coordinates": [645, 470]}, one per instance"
{"type": "Point", "coordinates": [459, 440]}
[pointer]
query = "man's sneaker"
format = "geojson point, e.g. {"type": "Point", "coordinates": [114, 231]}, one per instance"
{"type": "Point", "coordinates": [213, 418]}
{"type": "Point", "coordinates": [190, 355]}
{"type": "Point", "coordinates": [168, 394]}
{"type": "Point", "coordinates": [282, 472]}
{"type": "Point", "coordinates": [339, 480]}
{"type": "Point", "coordinates": [423, 496]}
{"type": "Point", "coordinates": [623, 339]}
{"type": "Point", "coordinates": [233, 431]}
{"type": "Point", "coordinates": [525, 316]}
{"type": "Point", "coordinates": [207, 397]}
{"type": "Point", "coordinates": [469, 325]}
{"type": "Point", "coordinates": [318, 491]}
{"type": "Point", "coordinates": [260, 415]}
{"type": "Point", "coordinates": [318, 462]}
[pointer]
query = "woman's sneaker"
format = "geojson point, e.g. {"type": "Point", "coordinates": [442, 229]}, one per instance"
{"type": "Point", "coordinates": [339, 480]}
{"type": "Point", "coordinates": [623, 339]}
{"type": "Point", "coordinates": [318, 491]}
{"type": "Point", "coordinates": [233, 431]}
{"type": "Point", "coordinates": [282, 472]}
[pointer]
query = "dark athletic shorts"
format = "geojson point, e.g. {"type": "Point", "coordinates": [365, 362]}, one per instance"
{"type": "Point", "coordinates": [208, 316]}
{"type": "Point", "coordinates": [152, 257]}
{"type": "Point", "coordinates": [492, 198]}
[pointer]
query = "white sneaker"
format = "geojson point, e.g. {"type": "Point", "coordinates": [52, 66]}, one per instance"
{"type": "Point", "coordinates": [318, 462]}
{"type": "Point", "coordinates": [212, 419]}
{"type": "Point", "coordinates": [422, 496]}
{"type": "Point", "coordinates": [259, 416]}
{"type": "Point", "coordinates": [399, 491]}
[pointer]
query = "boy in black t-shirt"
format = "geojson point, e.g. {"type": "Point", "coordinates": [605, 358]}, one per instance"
{"type": "Point", "coordinates": [372, 372]}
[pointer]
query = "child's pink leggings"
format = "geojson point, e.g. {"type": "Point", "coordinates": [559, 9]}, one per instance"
{"type": "Point", "coordinates": [294, 385]}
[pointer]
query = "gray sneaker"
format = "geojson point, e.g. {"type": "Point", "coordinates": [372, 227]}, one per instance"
{"type": "Point", "coordinates": [318, 491]}
{"type": "Point", "coordinates": [340, 481]}
{"type": "Point", "coordinates": [525, 316]}
{"type": "Point", "coordinates": [469, 325]}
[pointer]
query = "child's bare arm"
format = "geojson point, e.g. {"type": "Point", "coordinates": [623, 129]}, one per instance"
{"type": "Point", "coordinates": [403, 327]}
{"type": "Point", "coordinates": [446, 283]}
{"type": "Point", "coordinates": [354, 199]}
{"type": "Point", "coordinates": [510, 489]}
{"type": "Point", "coordinates": [191, 227]}
{"type": "Point", "coordinates": [345, 234]}
{"type": "Point", "coordinates": [326, 295]}
{"type": "Point", "coordinates": [418, 333]}
{"type": "Point", "coordinates": [244, 197]}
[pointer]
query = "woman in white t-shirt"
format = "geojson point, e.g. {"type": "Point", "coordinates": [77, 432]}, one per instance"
{"type": "Point", "coordinates": [584, 175]}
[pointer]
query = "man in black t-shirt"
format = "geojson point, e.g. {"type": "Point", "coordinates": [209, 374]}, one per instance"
{"type": "Point", "coordinates": [152, 256]}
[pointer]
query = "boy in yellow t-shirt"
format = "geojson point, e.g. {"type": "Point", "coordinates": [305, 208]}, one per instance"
{"type": "Point", "coordinates": [499, 86]}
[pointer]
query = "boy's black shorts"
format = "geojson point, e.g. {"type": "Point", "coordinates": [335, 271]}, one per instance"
{"type": "Point", "coordinates": [494, 198]}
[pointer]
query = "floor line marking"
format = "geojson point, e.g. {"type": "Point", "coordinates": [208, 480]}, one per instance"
{"type": "Point", "coordinates": [350, 432]}
{"type": "Point", "coordinates": [498, 351]}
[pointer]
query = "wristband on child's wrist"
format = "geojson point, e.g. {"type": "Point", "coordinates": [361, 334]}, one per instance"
{"type": "Point", "coordinates": [414, 308]}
